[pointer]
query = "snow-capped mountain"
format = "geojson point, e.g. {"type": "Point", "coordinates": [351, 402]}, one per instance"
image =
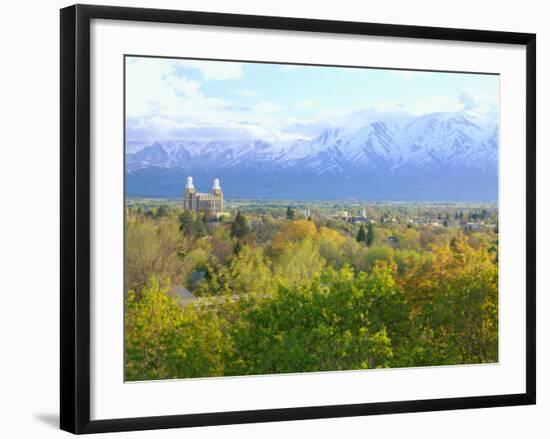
{"type": "Point", "coordinates": [440, 156]}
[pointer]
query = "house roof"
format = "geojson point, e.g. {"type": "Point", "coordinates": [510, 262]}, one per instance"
{"type": "Point", "coordinates": [183, 293]}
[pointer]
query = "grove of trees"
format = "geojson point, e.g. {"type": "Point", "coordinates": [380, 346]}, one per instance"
{"type": "Point", "coordinates": [290, 294]}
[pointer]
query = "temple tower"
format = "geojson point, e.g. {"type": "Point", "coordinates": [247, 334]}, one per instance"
{"type": "Point", "coordinates": [189, 199]}
{"type": "Point", "coordinates": [218, 196]}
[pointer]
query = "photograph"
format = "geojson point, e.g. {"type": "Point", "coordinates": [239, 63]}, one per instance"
{"type": "Point", "coordinates": [290, 218]}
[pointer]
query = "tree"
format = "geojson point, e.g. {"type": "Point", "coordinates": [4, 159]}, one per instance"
{"type": "Point", "coordinates": [370, 234]}
{"type": "Point", "coordinates": [200, 227]}
{"type": "Point", "coordinates": [192, 225]}
{"type": "Point", "coordinates": [239, 226]}
{"type": "Point", "coordinates": [298, 264]}
{"type": "Point", "coordinates": [361, 234]}
{"type": "Point", "coordinates": [343, 322]}
{"type": "Point", "coordinates": [237, 248]}
{"type": "Point", "coordinates": [282, 295]}
{"type": "Point", "coordinates": [377, 254]}
{"type": "Point", "coordinates": [333, 246]}
{"type": "Point", "coordinates": [289, 213]}
{"type": "Point", "coordinates": [293, 231]}
{"type": "Point", "coordinates": [264, 230]}
{"type": "Point", "coordinates": [250, 272]}
{"type": "Point", "coordinates": [163, 210]}
{"type": "Point", "coordinates": [187, 223]}
{"type": "Point", "coordinates": [221, 244]}
{"type": "Point", "coordinates": [153, 248]}
{"type": "Point", "coordinates": [164, 339]}
{"type": "Point", "coordinates": [456, 300]}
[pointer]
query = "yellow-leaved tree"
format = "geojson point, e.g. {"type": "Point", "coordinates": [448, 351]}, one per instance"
{"type": "Point", "coordinates": [166, 339]}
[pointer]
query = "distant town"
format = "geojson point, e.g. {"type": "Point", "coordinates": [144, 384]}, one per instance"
{"type": "Point", "coordinates": [472, 216]}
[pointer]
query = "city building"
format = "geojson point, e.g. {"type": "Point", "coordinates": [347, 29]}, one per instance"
{"type": "Point", "coordinates": [343, 214]}
{"type": "Point", "coordinates": [362, 218]}
{"type": "Point", "coordinates": [203, 202]}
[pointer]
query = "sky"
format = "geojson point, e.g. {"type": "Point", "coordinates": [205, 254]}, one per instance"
{"type": "Point", "coordinates": [171, 99]}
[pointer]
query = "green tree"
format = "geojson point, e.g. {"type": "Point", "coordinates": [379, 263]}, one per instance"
{"type": "Point", "coordinates": [239, 226]}
{"type": "Point", "coordinates": [153, 248]}
{"type": "Point", "coordinates": [187, 223]}
{"type": "Point", "coordinates": [299, 263]}
{"type": "Point", "coordinates": [164, 339]}
{"type": "Point", "coordinates": [370, 235]}
{"type": "Point", "coordinates": [361, 234]}
{"type": "Point", "coordinates": [299, 295]}
{"type": "Point", "coordinates": [248, 272]}
{"type": "Point", "coordinates": [237, 248]}
{"type": "Point", "coordinates": [289, 213]}
{"type": "Point", "coordinates": [163, 210]}
{"type": "Point", "coordinates": [199, 227]}
{"type": "Point", "coordinates": [327, 325]}
{"type": "Point", "coordinates": [374, 255]}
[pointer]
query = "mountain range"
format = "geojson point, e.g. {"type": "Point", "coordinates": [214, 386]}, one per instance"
{"type": "Point", "coordinates": [433, 157]}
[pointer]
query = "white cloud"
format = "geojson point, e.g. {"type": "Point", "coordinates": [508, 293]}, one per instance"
{"type": "Point", "coordinates": [433, 104]}
{"type": "Point", "coordinates": [307, 130]}
{"type": "Point", "coordinates": [305, 103]}
{"type": "Point", "coordinates": [265, 107]}
{"type": "Point", "coordinates": [468, 101]}
{"type": "Point", "coordinates": [183, 86]}
{"type": "Point", "coordinates": [247, 93]}
{"type": "Point", "coordinates": [479, 102]}
{"type": "Point", "coordinates": [214, 70]}
{"type": "Point", "coordinates": [165, 102]}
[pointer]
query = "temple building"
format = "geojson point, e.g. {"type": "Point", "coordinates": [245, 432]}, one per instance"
{"type": "Point", "coordinates": [203, 202]}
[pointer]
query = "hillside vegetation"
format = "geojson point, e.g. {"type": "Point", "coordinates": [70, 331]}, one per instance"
{"type": "Point", "coordinates": [273, 291]}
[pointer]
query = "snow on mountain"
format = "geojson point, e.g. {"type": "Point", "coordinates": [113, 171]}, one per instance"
{"type": "Point", "coordinates": [422, 148]}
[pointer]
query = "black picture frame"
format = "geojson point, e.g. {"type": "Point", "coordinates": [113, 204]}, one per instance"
{"type": "Point", "coordinates": [75, 217]}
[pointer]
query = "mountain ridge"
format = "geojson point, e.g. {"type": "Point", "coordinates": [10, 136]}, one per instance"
{"type": "Point", "coordinates": [439, 155]}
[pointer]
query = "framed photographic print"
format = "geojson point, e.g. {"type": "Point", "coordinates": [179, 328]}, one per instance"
{"type": "Point", "coordinates": [273, 218]}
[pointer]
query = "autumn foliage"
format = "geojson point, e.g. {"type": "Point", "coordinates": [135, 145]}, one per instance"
{"type": "Point", "coordinates": [292, 295]}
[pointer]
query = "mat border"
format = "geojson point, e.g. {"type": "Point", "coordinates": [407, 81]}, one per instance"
{"type": "Point", "coordinates": [75, 217]}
